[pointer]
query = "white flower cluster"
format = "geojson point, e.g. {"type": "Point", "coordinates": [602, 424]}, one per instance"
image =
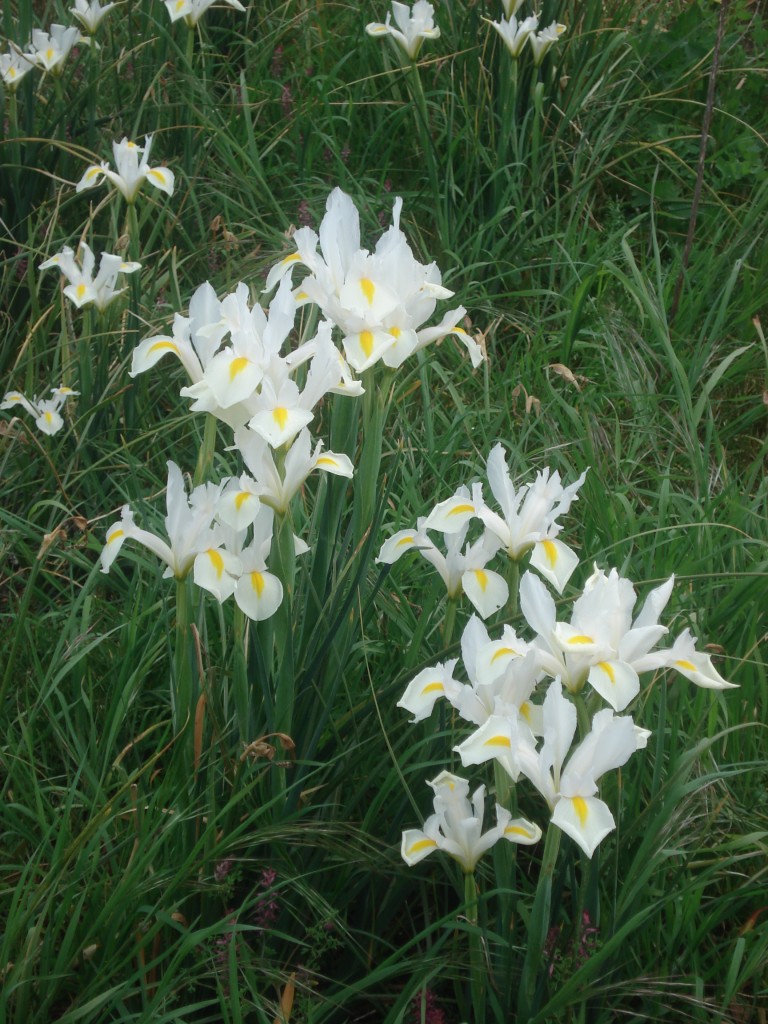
{"type": "Point", "coordinates": [603, 643]}
{"type": "Point", "coordinates": [46, 411]}
{"type": "Point", "coordinates": [527, 523]}
{"type": "Point", "coordinates": [241, 371]}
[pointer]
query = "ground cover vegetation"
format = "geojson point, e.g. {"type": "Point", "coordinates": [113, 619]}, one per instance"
{"type": "Point", "coordinates": [383, 536]}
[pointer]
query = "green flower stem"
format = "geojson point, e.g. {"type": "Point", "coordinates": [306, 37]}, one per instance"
{"type": "Point", "coordinates": [476, 964]}
{"type": "Point", "coordinates": [507, 123]}
{"type": "Point", "coordinates": [240, 689]}
{"type": "Point", "coordinates": [539, 927]}
{"type": "Point", "coordinates": [84, 350]}
{"type": "Point", "coordinates": [513, 582]}
{"type": "Point", "coordinates": [131, 336]}
{"type": "Point", "coordinates": [582, 715]}
{"type": "Point", "coordinates": [376, 402]}
{"type": "Point", "coordinates": [183, 694]}
{"type": "Point", "coordinates": [538, 103]}
{"type": "Point", "coordinates": [207, 449]}
{"type": "Point", "coordinates": [449, 621]}
{"type": "Point", "coordinates": [283, 564]}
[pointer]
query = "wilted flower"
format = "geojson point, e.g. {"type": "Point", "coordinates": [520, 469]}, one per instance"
{"type": "Point", "coordinates": [132, 162]}
{"type": "Point", "coordinates": [193, 10]}
{"type": "Point", "coordinates": [50, 51]}
{"type": "Point", "coordinates": [456, 827]}
{"type": "Point", "coordinates": [83, 287]}
{"type": "Point", "coordinates": [90, 13]}
{"type": "Point", "coordinates": [413, 26]}
{"type": "Point", "coordinates": [45, 411]}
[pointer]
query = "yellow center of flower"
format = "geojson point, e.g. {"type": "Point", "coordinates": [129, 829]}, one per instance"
{"type": "Point", "coordinates": [608, 669]}
{"type": "Point", "coordinates": [687, 665]}
{"type": "Point", "coordinates": [498, 741]}
{"type": "Point", "coordinates": [280, 416]}
{"type": "Point", "coordinates": [369, 289]}
{"type": "Point", "coordinates": [503, 652]}
{"type": "Point", "coordinates": [580, 805]}
{"type": "Point", "coordinates": [163, 345]}
{"type": "Point", "coordinates": [516, 830]}
{"type": "Point", "coordinates": [217, 561]}
{"type": "Point", "coordinates": [421, 844]}
{"type": "Point", "coordinates": [550, 550]}
{"type": "Point", "coordinates": [257, 582]}
{"type": "Point", "coordinates": [237, 366]}
{"type": "Point", "coordinates": [366, 343]}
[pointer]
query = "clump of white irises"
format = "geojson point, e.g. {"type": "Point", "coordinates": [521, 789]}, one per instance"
{"type": "Point", "coordinates": [413, 26]}
{"type": "Point", "coordinates": [243, 370]}
{"type": "Point", "coordinates": [516, 33]}
{"type": "Point", "coordinates": [526, 524]}
{"type": "Point", "coordinates": [525, 695]}
{"type": "Point", "coordinates": [45, 411]}
{"type": "Point", "coordinates": [84, 288]}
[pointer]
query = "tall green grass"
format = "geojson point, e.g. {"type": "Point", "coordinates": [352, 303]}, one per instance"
{"type": "Point", "coordinates": [559, 221]}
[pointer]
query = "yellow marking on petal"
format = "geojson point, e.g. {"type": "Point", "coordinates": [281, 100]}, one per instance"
{"type": "Point", "coordinates": [48, 416]}
{"type": "Point", "coordinates": [11, 72]}
{"type": "Point", "coordinates": [326, 460]}
{"type": "Point", "coordinates": [525, 710]}
{"type": "Point", "coordinates": [366, 343]}
{"type": "Point", "coordinates": [81, 290]}
{"type": "Point", "coordinates": [237, 366]}
{"type": "Point", "coordinates": [291, 259]}
{"type": "Point", "coordinates": [580, 805]}
{"type": "Point", "coordinates": [608, 669]}
{"type": "Point", "coordinates": [550, 550]}
{"type": "Point", "coordinates": [498, 741]}
{"type": "Point", "coordinates": [482, 578]}
{"type": "Point", "coordinates": [459, 330]}
{"type": "Point", "coordinates": [93, 172]}
{"type": "Point", "coordinates": [217, 560]}
{"type": "Point", "coordinates": [257, 582]}
{"type": "Point", "coordinates": [687, 665]}
{"type": "Point", "coordinates": [131, 145]}
{"type": "Point", "coordinates": [240, 499]}
{"type": "Point", "coordinates": [405, 540]}
{"type": "Point", "coordinates": [158, 175]}
{"type": "Point", "coordinates": [394, 331]}
{"type": "Point", "coordinates": [433, 687]}
{"type": "Point", "coordinates": [301, 296]}
{"type": "Point", "coordinates": [503, 652]}
{"type": "Point", "coordinates": [581, 639]}
{"type": "Point", "coordinates": [164, 345]}
{"type": "Point", "coordinates": [115, 534]}
{"type": "Point", "coordinates": [280, 416]}
{"type": "Point", "coordinates": [369, 289]}
{"type": "Point", "coordinates": [421, 844]}
{"type": "Point", "coordinates": [460, 509]}
{"type": "Point", "coordinates": [49, 53]}
{"type": "Point", "coordinates": [516, 830]}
